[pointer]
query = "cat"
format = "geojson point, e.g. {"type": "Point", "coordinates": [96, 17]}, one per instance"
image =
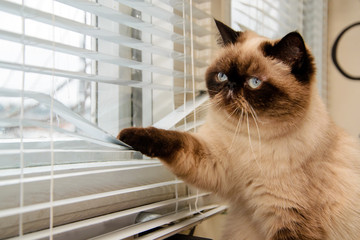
{"type": "Point", "coordinates": [268, 145]}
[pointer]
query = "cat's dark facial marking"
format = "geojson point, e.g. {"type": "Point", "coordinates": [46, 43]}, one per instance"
{"type": "Point", "coordinates": [268, 97]}
{"type": "Point", "coordinates": [282, 71]}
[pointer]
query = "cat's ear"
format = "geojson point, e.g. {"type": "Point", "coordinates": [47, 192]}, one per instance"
{"type": "Point", "coordinates": [227, 34]}
{"type": "Point", "coordinates": [290, 49]}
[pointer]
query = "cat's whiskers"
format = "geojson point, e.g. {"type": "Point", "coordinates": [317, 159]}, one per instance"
{"type": "Point", "coordinates": [217, 103]}
{"type": "Point", "coordinates": [250, 142]}
{"type": "Point", "coordinates": [254, 113]}
{"type": "Point", "coordinates": [231, 114]}
{"type": "Point", "coordinates": [204, 107]}
{"type": "Point", "coordinates": [214, 102]}
{"type": "Point", "coordinates": [238, 126]}
{"type": "Point", "coordinates": [256, 119]}
{"type": "Point", "coordinates": [246, 108]}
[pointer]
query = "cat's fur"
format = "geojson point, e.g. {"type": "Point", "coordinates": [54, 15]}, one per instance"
{"type": "Point", "coordinates": [292, 173]}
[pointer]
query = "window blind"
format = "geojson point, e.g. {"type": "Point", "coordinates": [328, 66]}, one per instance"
{"type": "Point", "coordinates": [274, 19]}
{"type": "Point", "coordinates": [73, 74]}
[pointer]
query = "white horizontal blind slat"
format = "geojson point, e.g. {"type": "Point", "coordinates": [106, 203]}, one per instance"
{"type": "Point", "coordinates": [285, 25]}
{"type": "Point", "coordinates": [130, 21]}
{"type": "Point", "coordinates": [70, 175]}
{"type": "Point", "coordinates": [79, 167]}
{"type": "Point", "coordinates": [135, 23]}
{"type": "Point", "coordinates": [200, 1]}
{"type": "Point", "coordinates": [177, 227]}
{"type": "Point", "coordinates": [178, 5]}
{"type": "Point", "coordinates": [90, 133]}
{"type": "Point", "coordinates": [44, 17]}
{"type": "Point", "coordinates": [31, 208]}
{"type": "Point", "coordinates": [62, 110]}
{"type": "Point", "coordinates": [278, 9]}
{"type": "Point", "coordinates": [165, 15]}
{"type": "Point", "coordinates": [270, 18]}
{"type": "Point", "coordinates": [109, 217]}
{"type": "Point", "coordinates": [133, 230]}
{"type": "Point", "coordinates": [87, 77]}
{"type": "Point", "coordinates": [84, 53]}
{"type": "Point", "coordinates": [256, 20]}
{"type": "Point", "coordinates": [180, 113]}
{"type": "Point", "coordinates": [96, 32]}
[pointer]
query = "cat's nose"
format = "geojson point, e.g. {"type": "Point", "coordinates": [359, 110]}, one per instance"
{"type": "Point", "coordinates": [231, 85]}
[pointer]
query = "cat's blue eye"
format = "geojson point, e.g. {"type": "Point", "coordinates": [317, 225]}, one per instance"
{"type": "Point", "coordinates": [222, 76]}
{"type": "Point", "coordinates": [254, 82]}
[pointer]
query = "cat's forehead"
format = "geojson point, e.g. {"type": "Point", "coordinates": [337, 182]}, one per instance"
{"type": "Point", "coordinates": [245, 53]}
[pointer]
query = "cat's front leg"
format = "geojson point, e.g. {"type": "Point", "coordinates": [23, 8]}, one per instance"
{"type": "Point", "coordinates": [184, 153]}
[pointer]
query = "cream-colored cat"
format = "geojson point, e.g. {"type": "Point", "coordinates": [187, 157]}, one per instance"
{"type": "Point", "coordinates": [268, 146]}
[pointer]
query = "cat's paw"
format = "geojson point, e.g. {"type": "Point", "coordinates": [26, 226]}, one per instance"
{"type": "Point", "coordinates": [138, 138]}
{"type": "Point", "coordinates": [151, 141]}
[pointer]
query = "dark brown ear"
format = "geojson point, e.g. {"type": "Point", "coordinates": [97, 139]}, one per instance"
{"type": "Point", "coordinates": [292, 51]}
{"type": "Point", "coordinates": [228, 35]}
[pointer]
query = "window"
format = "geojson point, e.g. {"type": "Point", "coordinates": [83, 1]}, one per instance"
{"type": "Point", "coordinates": [73, 74]}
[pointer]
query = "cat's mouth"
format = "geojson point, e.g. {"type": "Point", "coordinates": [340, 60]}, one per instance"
{"type": "Point", "coordinates": [230, 95]}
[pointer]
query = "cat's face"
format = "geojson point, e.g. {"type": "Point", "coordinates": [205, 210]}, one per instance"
{"type": "Point", "coordinates": [256, 75]}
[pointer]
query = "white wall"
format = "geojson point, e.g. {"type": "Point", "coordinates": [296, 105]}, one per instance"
{"type": "Point", "coordinates": [344, 94]}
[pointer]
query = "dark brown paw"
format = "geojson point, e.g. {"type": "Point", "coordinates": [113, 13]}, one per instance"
{"type": "Point", "coordinates": [151, 141]}
{"type": "Point", "coordinates": [138, 138]}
